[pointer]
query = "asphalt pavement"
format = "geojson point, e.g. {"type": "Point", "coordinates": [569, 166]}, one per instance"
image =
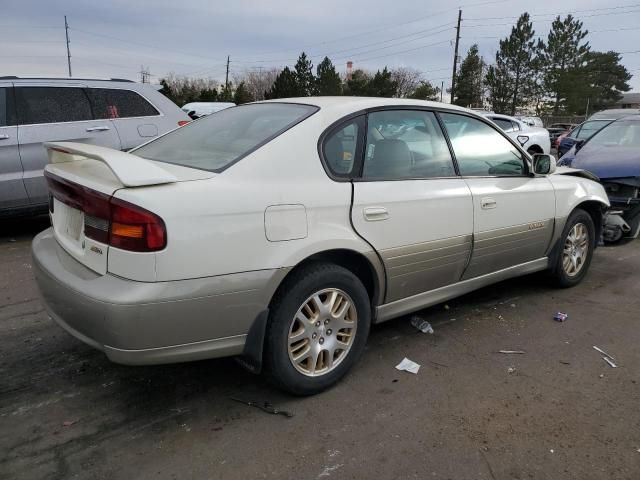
{"type": "Point", "coordinates": [557, 411]}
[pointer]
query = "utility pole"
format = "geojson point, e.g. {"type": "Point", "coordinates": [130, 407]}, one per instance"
{"type": "Point", "coordinates": [455, 57]}
{"type": "Point", "coordinates": [441, 90]}
{"type": "Point", "coordinates": [226, 78]}
{"type": "Point", "coordinates": [66, 31]}
{"type": "Point", "coordinates": [145, 74]}
{"type": "Point", "coordinates": [586, 113]}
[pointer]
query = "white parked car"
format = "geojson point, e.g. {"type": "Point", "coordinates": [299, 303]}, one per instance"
{"type": "Point", "coordinates": [200, 109]}
{"type": "Point", "coordinates": [532, 139]}
{"type": "Point", "coordinates": [282, 230]}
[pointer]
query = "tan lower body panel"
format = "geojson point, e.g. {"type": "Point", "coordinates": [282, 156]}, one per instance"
{"type": "Point", "coordinates": [425, 266]}
{"type": "Point", "coordinates": [502, 248]}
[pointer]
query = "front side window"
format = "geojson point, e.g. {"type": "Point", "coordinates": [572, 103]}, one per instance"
{"type": "Point", "coordinates": [216, 141]}
{"type": "Point", "coordinates": [405, 144]}
{"type": "Point", "coordinates": [481, 150]}
{"type": "Point", "coordinates": [116, 103]}
{"type": "Point", "coordinates": [340, 147]}
{"type": "Point", "coordinates": [52, 105]}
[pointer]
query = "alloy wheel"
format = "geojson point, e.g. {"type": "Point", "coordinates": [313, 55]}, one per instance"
{"type": "Point", "coordinates": [576, 249]}
{"type": "Point", "coordinates": [322, 332]}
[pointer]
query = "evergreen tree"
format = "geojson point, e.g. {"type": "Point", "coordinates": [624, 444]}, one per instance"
{"type": "Point", "coordinates": [498, 85]}
{"type": "Point", "coordinates": [599, 83]}
{"type": "Point", "coordinates": [242, 95]}
{"type": "Point", "coordinates": [358, 84]}
{"type": "Point", "coordinates": [286, 85]}
{"type": "Point", "coordinates": [328, 81]}
{"type": "Point", "coordinates": [426, 91]}
{"type": "Point", "coordinates": [469, 80]}
{"type": "Point", "coordinates": [382, 85]}
{"type": "Point", "coordinates": [562, 57]}
{"type": "Point", "coordinates": [227, 93]}
{"type": "Point", "coordinates": [304, 76]}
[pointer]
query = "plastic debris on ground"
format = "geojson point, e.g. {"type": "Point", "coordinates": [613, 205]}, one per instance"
{"type": "Point", "coordinates": [560, 317]}
{"type": "Point", "coordinates": [603, 352]}
{"type": "Point", "coordinates": [511, 370]}
{"type": "Point", "coordinates": [613, 365]}
{"type": "Point", "coordinates": [407, 365]}
{"type": "Point", "coordinates": [265, 407]}
{"type": "Point", "coordinates": [519, 352]}
{"type": "Point", "coordinates": [421, 324]}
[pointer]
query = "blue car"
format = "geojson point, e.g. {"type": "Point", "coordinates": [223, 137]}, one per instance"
{"type": "Point", "coordinates": [584, 131]}
{"type": "Point", "coordinates": [613, 155]}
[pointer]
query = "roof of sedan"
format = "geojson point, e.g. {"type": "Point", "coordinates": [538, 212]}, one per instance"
{"type": "Point", "coordinates": [361, 103]}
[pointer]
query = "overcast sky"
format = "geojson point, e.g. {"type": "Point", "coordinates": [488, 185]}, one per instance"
{"type": "Point", "coordinates": [114, 38]}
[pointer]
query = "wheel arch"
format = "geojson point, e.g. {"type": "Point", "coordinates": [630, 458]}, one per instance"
{"type": "Point", "coordinates": [535, 148]}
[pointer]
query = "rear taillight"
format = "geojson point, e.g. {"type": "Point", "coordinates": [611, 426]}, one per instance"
{"type": "Point", "coordinates": [111, 220]}
{"type": "Point", "coordinates": [182, 123]}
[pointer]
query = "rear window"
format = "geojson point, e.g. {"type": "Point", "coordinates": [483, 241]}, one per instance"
{"type": "Point", "coordinates": [7, 116]}
{"type": "Point", "coordinates": [115, 103]}
{"type": "Point", "coordinates": [52, 105]}
{"type": "Point", "coordinates": [216, 141]}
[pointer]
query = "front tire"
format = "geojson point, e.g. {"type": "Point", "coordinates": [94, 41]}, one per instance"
{"type": "Point", "coordinates": [318, 326]}
{"type": "Point", "coordinates": [576, 247]}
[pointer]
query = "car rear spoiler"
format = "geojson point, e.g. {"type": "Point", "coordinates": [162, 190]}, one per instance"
{"type": "Point", "coordinates": [129, 169]}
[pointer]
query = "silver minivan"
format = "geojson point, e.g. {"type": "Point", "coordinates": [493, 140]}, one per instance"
{"type": "Point", "coordinates": [114, 113]}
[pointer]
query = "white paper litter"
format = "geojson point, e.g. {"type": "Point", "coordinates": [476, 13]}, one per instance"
{"type": "Point", "coordinates": [408, 366]}
{"type": "Point", "coordinates": [603, 352]}
{"type": "Point", "coordinates": [519, 352]}
{"type": "Point", "coordinates": [613, 365]}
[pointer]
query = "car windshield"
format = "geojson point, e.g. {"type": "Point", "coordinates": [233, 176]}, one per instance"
{"type": "Point", "coordinates": [589, 128]}
{"type": "Point", "coordinates": [623, 133]}
{"type": "Point", "coordinates": [216, 141]}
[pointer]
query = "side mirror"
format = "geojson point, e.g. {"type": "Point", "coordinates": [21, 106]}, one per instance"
{"type": "Point", "coordinates": [544, 164]}
{"type": "Point", "coordinates": [579, 144]}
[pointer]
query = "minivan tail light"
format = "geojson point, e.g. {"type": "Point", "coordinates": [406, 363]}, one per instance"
{"type": "Point", "coordinates": [110, 220]}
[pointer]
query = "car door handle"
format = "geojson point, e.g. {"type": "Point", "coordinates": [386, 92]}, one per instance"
{"type": "Point", "coordinates": [101, 128]}
{"type": "Point", "coordinates": [4, 137]}
{"type": "Point", "coordinates": [488, 203]}
{"type": "Point", "coordinates": [375, 214]}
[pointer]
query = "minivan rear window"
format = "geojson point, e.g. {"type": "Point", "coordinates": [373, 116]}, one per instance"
{"type": "Point", "coordinates": [218, 140]}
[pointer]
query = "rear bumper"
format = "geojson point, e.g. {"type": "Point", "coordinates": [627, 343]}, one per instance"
{"type": "Point", "coordinates": [141, 323]}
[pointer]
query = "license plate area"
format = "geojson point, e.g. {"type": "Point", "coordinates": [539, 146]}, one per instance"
{"type": "Point", "coordinates": [68, 222]}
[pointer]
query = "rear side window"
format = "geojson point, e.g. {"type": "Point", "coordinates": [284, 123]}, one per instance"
{"type": "Point", "coordinates": [340, 147]}
{"type": "Point", "coordinates": [115, 103]}
{"type": "Point", "coordinates": [504, 124]}
{"type": "Point", "coordinates": [7, 112]}
{"type": "Point", "coordinates": [52, 105]}
{"type": "Point", "coordinates": [480, 149]}
{"type": "Point", "coordinates": [216, 141]}
{"type": "Point", "coordinates": [405, 144]}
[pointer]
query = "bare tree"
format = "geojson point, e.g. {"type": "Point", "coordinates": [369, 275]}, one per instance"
{"type": "Point", "coordinates": [407, 79]}
{"type": "Point", "coordinates": [257, 81]}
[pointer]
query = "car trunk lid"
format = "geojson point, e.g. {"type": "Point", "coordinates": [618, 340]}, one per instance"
{"type": "Point", "coordinates": [82, 180]}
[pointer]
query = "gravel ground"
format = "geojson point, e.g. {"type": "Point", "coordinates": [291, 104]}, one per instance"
{"type": "Point", "coordinates": [67, 412]}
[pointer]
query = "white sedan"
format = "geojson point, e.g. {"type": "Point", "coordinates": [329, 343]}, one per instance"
{"type": "Point", "coordinates": [532, 139]}
{"type": "Point", "coordinates": [280, 231]}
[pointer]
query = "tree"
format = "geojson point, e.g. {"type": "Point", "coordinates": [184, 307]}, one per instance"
{"type": "Point", "coordinates": [257, 82]}
{"type": "Point", "coordinates": [358, 84]}
{"type": "Point", "coordinates": [328, 81]}
{"type": "Point", "coordinates": [181, 89]}
{"type": "Point", "coordinates": [563, 55]}
{"type": "Point", "coordinates": [285, 85]}
{"type": "Point", "coordinates": [426, 91]}
{"type": "Point", "coordinates": [304, 76]}
{"type": "Point", "coordinates": [469, 80]}
{"type": "Point", "coordinates": [226, 95]}
{"type": "Point", "coordinates": [382, 85]}
{"type": "Point", "coordinates": [407, 80]}
{"type": "Point", "coordinates": [599, 82]}
{"type": "Point", "coordinates": [242, 95]}
{"type": "Point", "coordinates": [498, 85]}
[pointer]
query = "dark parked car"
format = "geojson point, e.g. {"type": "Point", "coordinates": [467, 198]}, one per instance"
{"type": "Point", "coordinates": [584, 131]}
{"type": "Point", "coordinates": [613, 154]}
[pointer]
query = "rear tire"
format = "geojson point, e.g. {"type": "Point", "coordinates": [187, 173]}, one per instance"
{"type": "Point", "coordinates": [318, 326]}
{"type": "Point", "coordinates": [575, 250]}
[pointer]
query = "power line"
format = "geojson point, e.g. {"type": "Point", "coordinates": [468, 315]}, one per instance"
{"type": "Point", "coordinates": [547, 19]}
{"type": "Point", "coordinates": [560, 13]}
